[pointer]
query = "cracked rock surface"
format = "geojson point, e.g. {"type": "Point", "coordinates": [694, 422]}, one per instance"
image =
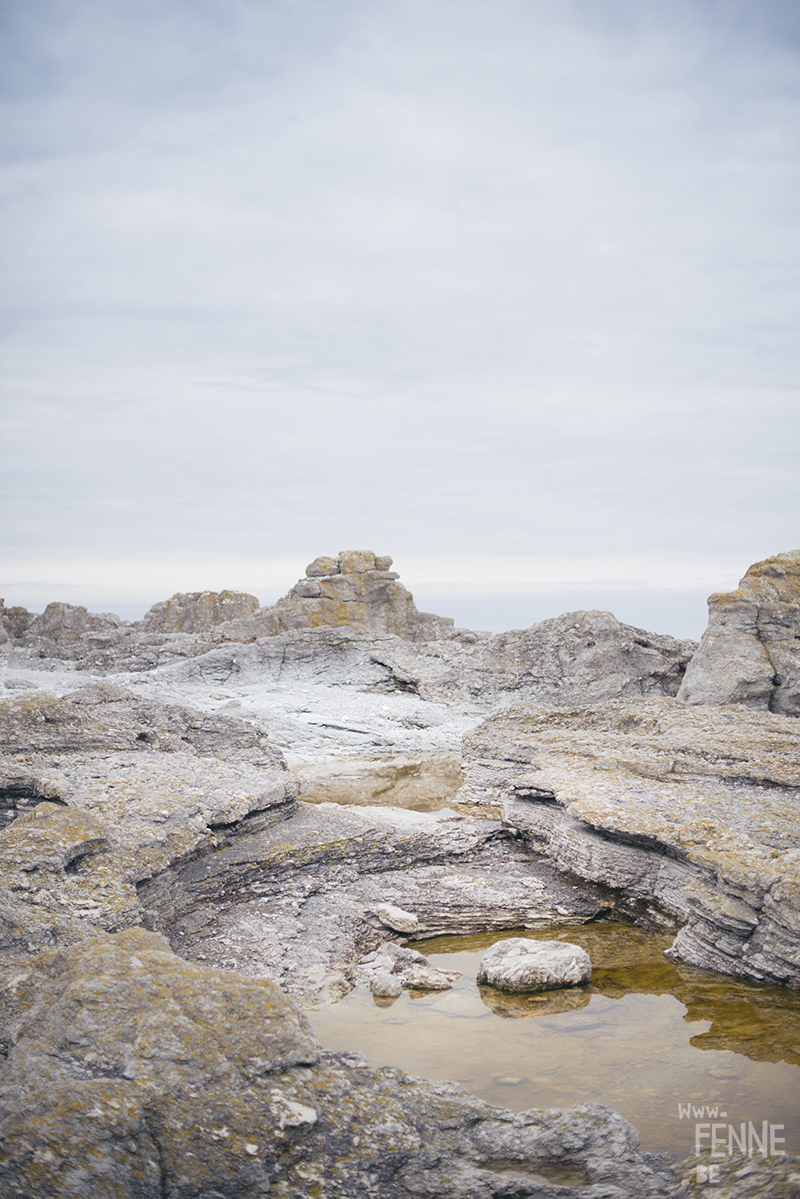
{"type": "Point", "coordinates": [694, 812]}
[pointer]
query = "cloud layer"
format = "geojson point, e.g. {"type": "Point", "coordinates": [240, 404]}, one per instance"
{"type": "Point", "coordinates": [452, 279]}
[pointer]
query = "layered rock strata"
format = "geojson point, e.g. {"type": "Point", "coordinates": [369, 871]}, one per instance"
{"type": "Point", "coordinates": [127, 1072]}
{"type": "Point", "coordinates": [750, 652]}
{"type": "Point", "coordinates": [351, 621]}
{"type": "Point", "coordinates": [689, 812]}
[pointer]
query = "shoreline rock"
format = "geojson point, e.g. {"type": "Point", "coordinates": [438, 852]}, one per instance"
{"type": "Point", "coordinates": [688, 813]}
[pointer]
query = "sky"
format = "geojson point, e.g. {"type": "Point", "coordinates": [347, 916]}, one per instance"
{"type": "Point", "coordinates": [506, 289]}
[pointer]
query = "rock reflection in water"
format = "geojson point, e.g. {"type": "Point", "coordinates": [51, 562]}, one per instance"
{"type": "Point", "coordinates": [643, 1037]}
{"type": "Point", "coordinates": [513, 1005]}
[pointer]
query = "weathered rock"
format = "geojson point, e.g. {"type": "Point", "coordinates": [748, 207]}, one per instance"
{"type": "Point", "coordinates": [131, 1073]}
{"type": "Point", "coordinates": [692, 812]}
{"type": "Point", "coordinates": [356, 589]}
{"type": "Point", "coordinates": [396, 918]}
{"type": "Point", "coordinates": [106, 717]}
{"type": "Point", "coordinates": [190, 612]}
{"type": "Point", "coordinates": [520, 965]}
{"type": "Point", "coordinates": [385, 986]}
{"type": "Point", "coordinates": [750, 652]}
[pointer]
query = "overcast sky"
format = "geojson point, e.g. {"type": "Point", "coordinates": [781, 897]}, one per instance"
{"type": "Point", "coordinates": [507, 289]}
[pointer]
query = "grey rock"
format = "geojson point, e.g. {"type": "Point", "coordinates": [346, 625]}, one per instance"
{"type": "Point", "coordinates": [107, 717]}
{"type": "Point", "coordinates": [133, 1073]}
{"type": "Point", "coordinates": [520, 965]}
{"type": "Point", "coordinates": [356, 589]}
{"type": "Point", "coordinates": [427, 978]}
{"type": "Point", "coordinates": [689, 813]}
{"type": "Point", "coordinates": [750, 651]}
{"type": "Point", "coordinates": [396, 918]}
{"type": "Point", "coordinates": [386, 986]}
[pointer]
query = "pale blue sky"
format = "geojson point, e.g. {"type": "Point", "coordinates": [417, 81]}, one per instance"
{"type": "Point", "coordinates": [488, 285]}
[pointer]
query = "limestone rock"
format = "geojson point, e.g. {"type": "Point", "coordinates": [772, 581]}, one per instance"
{"type": "Point", "coordinates": [16, 621]}
{"type": "Point", "coordinates": [190, 612]}
{"type": "Point", "coordinates": [385, 986]}
{"type": "Point", "coordinates": [66, 631]}
{"type": "Point", "coordinates": [107, 717]}
{"type": "Point", "coordinates": [356, 589]}
{"type": "Point", "coordinates": [750, 651]}
{"type": "Point", "coordinates": [130, 1073]}
{"type": "Point", "coordinates": [520, 965]}
{"type": "Point", "coordinates": [692, 813]}
{"type": "Point", "coordinates": [395, 918]}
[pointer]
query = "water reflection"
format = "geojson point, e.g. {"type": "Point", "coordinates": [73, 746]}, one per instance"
{"type": "Point", "coordinates": [645, 1036]}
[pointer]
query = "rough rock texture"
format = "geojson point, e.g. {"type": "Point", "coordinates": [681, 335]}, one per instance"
{"type": "Point", "coordinates": [750, 652]}
{"type": "Point", "coordinates": [131, 1073]}
{"type": "Point", "coordinates": [127, 1072]}
{"type": "Point", "coordinates": [350, 621]}
{"type": "Point", "coordinates": [108, 790]}
{"type": "Point", "coordinates": [300, 900]}
{"type": "Point", "coordinates": [581, 657]}
{"type": "Point", "coordinates": [355, 589]}
{"type": "Point", "coordinates": [188, 612]}
{"type": "Point", "coordinates": [64, 631]}
{"type": "Point", "coordinates": [519, 965]}
{"type": "Point", "coordinates": [106, 717]}
{"type": "Point", "coordinates": [694, 812]}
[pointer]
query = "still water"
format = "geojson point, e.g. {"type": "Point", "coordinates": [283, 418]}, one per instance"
{"type": "Point", "coordinates": [647, 1036]}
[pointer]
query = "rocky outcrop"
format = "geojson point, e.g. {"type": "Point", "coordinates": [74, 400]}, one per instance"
{"type": "Point", "coordinates": [133, 1074]}
{"type": "Point", "coordinates": [103, 716]}
{"type": "Point", "coordinates": [689, 812]}
{"type": "Point", "coordinates": [520, 965]}
{"type": "Point", "coordinates": [351, 622]}
{"type": "Point", "coordinates": [65, 631]}
{"type": "Point", "coordinates": [579, 657]}
{"type": "Point", "coordinates": [191, 612]}
{"type": "Point", "coordinates": [750, 652]}
{"type": "Point", "coordinates": [128, 1072]}
{"type": "Point", "coordinates": [357, 590]}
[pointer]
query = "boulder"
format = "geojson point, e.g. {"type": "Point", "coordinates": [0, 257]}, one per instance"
{"type": "Point", "coordinates": [687, 813]}
{"type": "Point", "coordinates": [750, 651]}
{"type": "Point", "coordinates": [191, 612]}
{"type": "Point", "coordinates": [521, 965]}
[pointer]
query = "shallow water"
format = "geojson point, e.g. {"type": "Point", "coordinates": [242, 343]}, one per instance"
{"type": "Point", "coordinates": [646, 1037]}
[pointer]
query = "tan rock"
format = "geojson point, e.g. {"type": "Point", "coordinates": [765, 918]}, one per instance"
{"type": "Point", "coordinates": [189, 612]}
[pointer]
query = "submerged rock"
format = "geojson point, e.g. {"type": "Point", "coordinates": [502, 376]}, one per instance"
{"type": "Point", "coordinates": [520, 965]}
{"type": "Point", "coordinates": [750, 652]}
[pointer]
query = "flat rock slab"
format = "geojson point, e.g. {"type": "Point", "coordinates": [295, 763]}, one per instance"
{"type": "Point", "coordinates": [520, 965]}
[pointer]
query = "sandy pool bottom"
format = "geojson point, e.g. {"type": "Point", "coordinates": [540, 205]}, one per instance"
{"type": "Point", "coordinates": [662, 1043]}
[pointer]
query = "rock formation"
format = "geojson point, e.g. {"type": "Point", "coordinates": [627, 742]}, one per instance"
{"type": "Point", "coordinates": [129, 1072]}
{"type": "Point", "coordinates": [689, 813]}
{"type": "Point", "coordinates": [350, 619]}
{"type": "Point", "coordinates": [356, 590]}
{"type": "Point", "coordinates": [189, 612]}
{"type": "Point", "coordinates": [750, 652]}
{"type": "Point", "coordinates": [158, 876]}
